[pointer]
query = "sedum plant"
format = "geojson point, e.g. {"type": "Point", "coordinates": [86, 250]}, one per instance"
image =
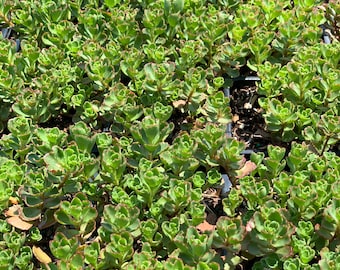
{"type": "Point", "coordinates": [306, 93]}
{"type": "Point", "coordinates": [113, 120]}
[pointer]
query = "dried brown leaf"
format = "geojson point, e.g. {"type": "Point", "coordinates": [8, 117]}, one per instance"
{"type": "Point", "coordinates": [12, 211]}
{"type": "Point", "coordinates": [179, 103]}
{"type": "Point", "coordinates": [248, 167]}
{"type": "Point", "coordinates": [205, 226]}
{"type": "Point", "coordinates": [13, 200]}
{"type": "Point", "coordinates": [41, 255]}
{"type": "Point", "coordinates": [250, 225]}
{"type": "Point", "coordinates": [17, 222]}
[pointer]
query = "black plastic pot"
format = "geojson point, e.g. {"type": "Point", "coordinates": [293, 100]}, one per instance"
{"type": "Point", "coordinates": [325, 34]}
{"type": "Point", "coordinates": [6, 33]}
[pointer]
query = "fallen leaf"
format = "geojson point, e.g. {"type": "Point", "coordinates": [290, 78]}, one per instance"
{"type": "Point", "coordinates": [248, 167]}
{"type": "Point", "coordinates": [13, 200]}
{"type": "Point", "coordinates": [213, 195]}
{"type": "Point", "coordinates": [12, 211]}
{"type": "Point", "coordinates": [17, 222]}
{"type": "Point", "coordinates": [250, 225]}
{"type": "Point", "coordinates": [179, 103]}
{"type": "Point", "coordinates": [242, 161]}
{"type": "Point", "coordinates": [205, 226]}
{"type": "Point", "coordinates": [41, 255]}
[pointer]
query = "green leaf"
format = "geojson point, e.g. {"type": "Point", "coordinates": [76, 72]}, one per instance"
{"type": "Point", "coordinates": [120, 217]}
{"type": "Point", "coordinates": [14, 240]}
{"type": "Point", "coordinates": [63, 247]}
{"type": "Point", "coordinates": [198, 179]}
{"type": "Point", "coordinates": [175, 264]}
{"type": "Point", "coordinates": [171, 228]}
{"type": "Point", "coordinates": [113, 165]}
{"type": "Point", "coordinates": [214, 176]}
{"type": "Point", "coordinates": [291, 264]}
{"type": "Point", "coordinates": [78, 212]}
{"type": "Point", "coordinates": [230, 233]}
{"type": "Point", "coordinates": [23, 260]}
{"type": "Point", "coordinates": [30, 213]}
{"type": "Point", "coordinates": [34, 234]}
{"type": "Point", "coordinates": [91, 253]}
{"type": "Point", "coordinates": [305, 229]}
{"type": "Point", "coordinates": [6, 259]}
{"type": "Point", "coordinates": [120, 249]}
{"type": "Point", "coordinates": [194, 247]}
{"type": "Point", "coordinates": [162, 112]}
{"type": "Point", "coordinates": [231, 203]}
{"type": "Point", "coordinates": [81, 133]}
{"type": "Point", "coordinates": [306, 254]}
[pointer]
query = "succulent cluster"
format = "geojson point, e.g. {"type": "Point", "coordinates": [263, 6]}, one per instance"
{"type": "Point", "coordinates": [113, 120]}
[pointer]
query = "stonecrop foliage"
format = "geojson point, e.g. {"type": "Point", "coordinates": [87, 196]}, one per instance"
{"type": "Point", "coordinates": [113, 119]}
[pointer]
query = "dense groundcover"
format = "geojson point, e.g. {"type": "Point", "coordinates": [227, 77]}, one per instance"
{"type": "Point", "coordinates": [113, 150]}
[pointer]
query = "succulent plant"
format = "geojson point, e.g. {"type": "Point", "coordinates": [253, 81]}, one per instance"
{"type": "Point", "coordinates": [113, 145]}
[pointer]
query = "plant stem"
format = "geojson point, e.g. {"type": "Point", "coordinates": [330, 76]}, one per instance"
{"type": "Point", "coordinates": [6, 20]}
{"type": "Point", "coordinates": [324, 146]}
{"type": "Point", "coordinates": [63, 181]}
